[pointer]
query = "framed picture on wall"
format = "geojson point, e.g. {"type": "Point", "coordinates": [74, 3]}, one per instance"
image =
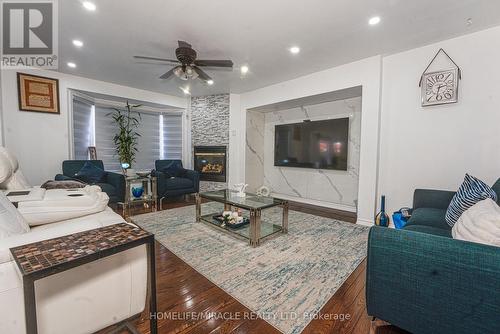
{"type": "Point", "coordinates": [92, 153]}
{"type": "Point", "coordinates": [38, 94]}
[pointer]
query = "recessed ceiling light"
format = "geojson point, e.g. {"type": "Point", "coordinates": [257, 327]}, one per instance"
{"type": "Point", "coordinates": [185, 90]}
{"type": "Point", "coordinates": [374, 20]}
{"type": "Point", "coordinates": [244, 69]}
{"type": "Point", "coordinates": [77, 43]}
{"type": "Point", "coordinates": [294, 50]}
{"type": "Point", "coordinates": [89, 5]}
{"type": "Point", "coordinates": [210, 82]}
{"type": "Point", "coordinates": [72, 65]}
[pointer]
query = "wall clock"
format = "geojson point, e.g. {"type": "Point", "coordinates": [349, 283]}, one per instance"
{"type": "Point", "coordinates": [441, 86]}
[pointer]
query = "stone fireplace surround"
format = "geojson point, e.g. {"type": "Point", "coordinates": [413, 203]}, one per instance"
{"type": "Point", "coordinates": [210, 127]}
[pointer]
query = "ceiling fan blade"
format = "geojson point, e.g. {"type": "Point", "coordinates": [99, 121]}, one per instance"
{"type": "Point", "coordinates": [214, 63]}
{"type": "Point", "coordinates": [157, 59]}
{"type": "Point", "coordinates": [203, 76]}
{"type": "Point", "coordinates": [168, 74]}
{"type": "Point", "coordinates": [183, 44]}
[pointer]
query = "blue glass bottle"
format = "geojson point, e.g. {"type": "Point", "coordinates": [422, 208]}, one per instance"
{"type": "Point", "coordinates": [382, 219]}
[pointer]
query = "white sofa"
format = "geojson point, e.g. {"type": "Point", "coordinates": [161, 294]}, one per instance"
{"type": "Point", "coordinates": [81, 300]}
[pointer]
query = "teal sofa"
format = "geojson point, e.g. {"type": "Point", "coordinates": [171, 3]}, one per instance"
{"type": "Point", "coordinates": [422, 280]}
{"type": "Point", "coordinates": [113, 184]}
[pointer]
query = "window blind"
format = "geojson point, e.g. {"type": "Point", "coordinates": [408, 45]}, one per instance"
{"type": "Point", "coordinates": [161, 136]}
{"type": "Point", "coordinates": [105, 130]}
{"type": "Point", "coordinates": [172, 136]}
{"type": "Point", "coordinates": [149, 142]}
{"type": "Point", "coordinates": [83, 128]}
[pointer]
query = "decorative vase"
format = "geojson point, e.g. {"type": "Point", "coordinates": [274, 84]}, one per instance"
{"type": "Point", "coordinates": [382, 218]}
{"type": "Point", "coordinates": [137, 192]}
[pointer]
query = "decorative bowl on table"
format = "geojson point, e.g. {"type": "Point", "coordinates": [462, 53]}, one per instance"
{"type": "Point", "coordinates": [137, 191]}
{"type": "Point", "coordinates": [143, 173]}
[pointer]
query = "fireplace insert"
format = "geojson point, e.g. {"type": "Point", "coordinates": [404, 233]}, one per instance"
{"type": "Point", "coordinates": [211, 163]}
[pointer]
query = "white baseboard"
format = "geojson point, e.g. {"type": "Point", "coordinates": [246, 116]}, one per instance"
{"type": "Point", "coordinates": [316, 202]}
{"type": "Point", "coordinates": [365, 222]}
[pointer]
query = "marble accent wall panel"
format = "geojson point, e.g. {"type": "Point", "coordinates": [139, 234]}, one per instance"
{"type": "Point", "coordinates": [327, 186]}
{"type": "Point", "coordinates": [210, 126]}
{"type": "Point", "coordinates": [254, 163]}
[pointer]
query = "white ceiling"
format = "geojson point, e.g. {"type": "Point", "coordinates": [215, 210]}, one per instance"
{"type": "Point", "coordinates": [257, 33]}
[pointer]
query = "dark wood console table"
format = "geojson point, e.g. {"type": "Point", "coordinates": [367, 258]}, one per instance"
{"type": "Point", "coordinates": [48, 257]}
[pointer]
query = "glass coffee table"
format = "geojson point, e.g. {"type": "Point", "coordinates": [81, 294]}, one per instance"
{"type": "Point", "coordinates": [257, 229]}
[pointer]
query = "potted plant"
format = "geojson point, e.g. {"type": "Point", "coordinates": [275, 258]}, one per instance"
{"type": "Point", "coordinates": [126, 139]}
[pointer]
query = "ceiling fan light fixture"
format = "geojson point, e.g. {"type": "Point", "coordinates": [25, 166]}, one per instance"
{"type": "Point", "coordinates": [210, 82]}
{"type": "Point", "coordinates": [185, 73]}
{"type": "Point", "coordinates": [244, 69]}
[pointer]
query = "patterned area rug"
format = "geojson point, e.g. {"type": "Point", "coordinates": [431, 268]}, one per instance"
{"type": "Point", "coordinates": [286, 280]}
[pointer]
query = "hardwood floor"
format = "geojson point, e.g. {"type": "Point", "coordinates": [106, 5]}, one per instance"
{"type": "Point", "coordinates": [183, 292]}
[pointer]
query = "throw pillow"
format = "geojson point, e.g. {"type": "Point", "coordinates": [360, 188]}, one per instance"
{"type": "Point", "coordinates": [173, 169]}
{"type": "Point", "coordinates": [67, 184]}
{"type": "Point", "coordinates": [470, 192]}
{"type": "Point", "coordinates": [11, 221]}
{"type": "Point", "coordinates": [90, 173]}
{"type": "Point", "coordinates": [480, 223]}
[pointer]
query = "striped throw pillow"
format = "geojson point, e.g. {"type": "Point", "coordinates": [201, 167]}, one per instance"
{"type": "Point", "coordinates": [470, 192]}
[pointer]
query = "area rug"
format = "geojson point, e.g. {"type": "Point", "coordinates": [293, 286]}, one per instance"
{"type": "Point", "coordinates": [286, 280]}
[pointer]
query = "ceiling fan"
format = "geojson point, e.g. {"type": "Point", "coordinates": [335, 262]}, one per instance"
{"type": "Point", "coordinates": [188, 67]}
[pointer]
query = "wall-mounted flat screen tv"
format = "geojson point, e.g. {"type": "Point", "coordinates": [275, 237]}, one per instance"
{"type": "Point", "coordinates": [312, 144]}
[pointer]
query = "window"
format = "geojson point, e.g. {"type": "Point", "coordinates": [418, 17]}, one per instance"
{"type": "Point", "coordinates": [83, 128]}
{"type": "Point", "coordinates": [161, 136]}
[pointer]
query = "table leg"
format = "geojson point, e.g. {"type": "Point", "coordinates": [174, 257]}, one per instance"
{"type": "Point", "coordinates": [285, 217]}
{"type": "Point", "coordinates": [255, 222]}
{"type": "Point", "coordinates": [198, 208]}
{"type": "Point", "coordinates": [153, 322]}
{"type": "Point", "coordinates": [30, 305]}
{"type": "Point", "coordinates": [154, 193]}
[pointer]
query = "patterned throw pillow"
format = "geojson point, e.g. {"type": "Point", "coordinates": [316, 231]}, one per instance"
{"type": "Point", "coordinates": [470, 192]}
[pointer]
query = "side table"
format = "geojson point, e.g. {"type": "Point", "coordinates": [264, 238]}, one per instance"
{"type": "Point", "coordinates": [48, 257]}
{"type": "Point", "coordinates": [150, 195]}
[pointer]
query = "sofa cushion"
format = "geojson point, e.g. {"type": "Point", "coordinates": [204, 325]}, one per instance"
{"type": "Point", "coordinates": [11, 221]}
{"type": "Point", "coordinates": [480, 223]}
{"type": "Point", "coordinates": [429, 230]}
{"type": "Point", "coordinates": [11, 176]}
{"type": "Point", "coordinates": [90, 174]}
{"type": "Point", "coordinates": [470, 192]}
{"type": "Point", "coordinates": [178, 183]}
{"type": "Point", "coordinates": [429, 217]}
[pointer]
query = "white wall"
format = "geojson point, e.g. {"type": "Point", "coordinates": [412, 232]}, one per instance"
{"type": "Point", "coordinates": [365, 73]}
{"type": "Point", "coordinates": [40, 141]}
{"type": "Point", "coordinates": [434, 147]}
{"type": "Point", "coordinates": [236, 135]}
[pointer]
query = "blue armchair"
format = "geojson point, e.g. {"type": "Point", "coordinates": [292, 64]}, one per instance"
{"type": "Point", "coordinates": [173, 180]}
{"type": "Point", "coordinates": [113, 183]}
{"type": "Point", "coordinates": [424, 281]}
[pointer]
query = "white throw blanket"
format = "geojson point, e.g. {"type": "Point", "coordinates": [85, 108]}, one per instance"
{"type": "Point", "coordinates": [63, 204]}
